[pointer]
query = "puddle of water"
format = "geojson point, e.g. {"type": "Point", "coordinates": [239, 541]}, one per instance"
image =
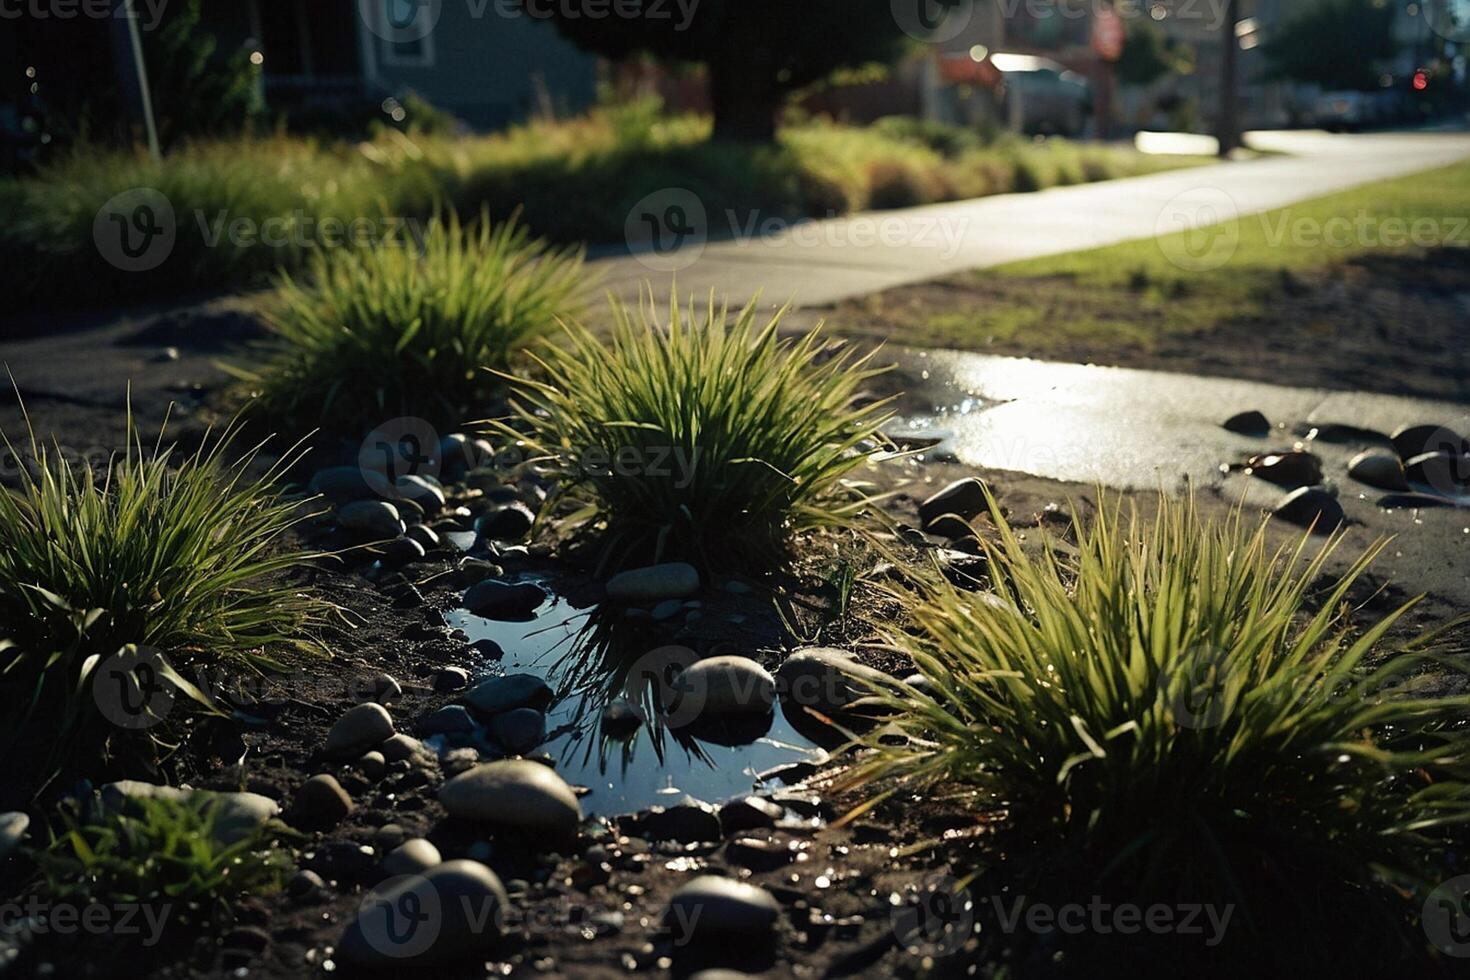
{"type": "Point", "coordinates": [588, 663]}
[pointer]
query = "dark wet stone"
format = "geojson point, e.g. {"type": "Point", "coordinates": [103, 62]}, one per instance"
{"type": "Point", "coordinates": [399, 551]}
{"type": "Point", "coordinates": [689, 822]}
{"type": "Point", "coordinates": [1378, 469]}
{"type": "Point", "coordinates": [427, 537]}
{"type": "Point", "coordinates": [515, 793]}
{"type": "Point", "coordinates": [320, 803]}
{"type": "Point", "coordinates": [620, 719]}
{"type": "Point", "coordinates": [1288, 469]}
{"type": "Point", "coordinates": [1416, 440]}
{"type": "Point", "coordinates": [13, 827]}
{"type": "Point", "coordinates": [1252, 423]}
{"type": "Point", "coordinates": [413, 856]}
{"type": "Point", "coordinates": [827, 679]}
{"type": "Point", "coordinates": [250, 938]}
{"type": "Point", "coordinates": [1444, 472]}
{"type": "Point", "coordinates": [461, 541]}
{"type": "Point", "coordinates": [426, 495]}
{"type": "Point", "coordinates": [509, 523]}
{"type": "Point", "coordinates": [363, 727]}
{"type": "Point", "coordinates": [1414, 501]}
{"type": "Point", "coordinates": [1311, 507]}
{"type": "Point", "coordinates": [382, 688]}
{"type": "Point", "coordinates": [724, 685]}
{"type": "Point", "coordinates": [749, 813]}
{"type": "Point", "coordinates": [373, 765]}
{"type": "Point", "coordinates": [488, 649]}
{"type": "Point", "coordinates": [759, 854]}
{"type": "Point", "coordinates": [448, 720]}
{"type": "Point", "coordinates": [463, 902]}
{"type": "Point", "coordinates": [370, 518]}
{"type": "Point", "coordinates": [497, 694]}
{"type": "Point", "coordinates": [504, 600]}
{"type": "Point", "coordinates": [654, 583]}
{"type": "Point", "coordinates": [520, 730]}
{"type": "Point", "coordinates": [947, 512]}
{"type": "Point", "coordinates": [448, 679]}
{"type": "Point", "coordinates": [341, 483]}
{"type": "Point", "coordinates": [401, 747]}
{"type": "Point", "coordinates": [305, 884]}
{"type": "Point", "coordinates": [715, 909]}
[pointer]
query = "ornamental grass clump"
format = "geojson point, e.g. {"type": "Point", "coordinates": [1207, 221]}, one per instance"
{"type": "Point", "coordinates": [703, 436]}
{"type": "Point", "coordinates": [170, 856]}
{"type": "Point", "coordinates": [1179, 708]}
{"type": "Point", "coordinates": [187, 559]}
{"type": "Point", "coordinates": [405, 326]}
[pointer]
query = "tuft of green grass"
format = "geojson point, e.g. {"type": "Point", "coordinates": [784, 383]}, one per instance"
{"type": "Point", "coordinates": [187, 559]}
{"type": "Point", "coordinates": [699, 436]}
{"type": "Point", "coordinates": [1179, 709]}
{"type": "Point", "coordinates": [405, 327]}
{"type": "Point", "coordinates": [162, 853]}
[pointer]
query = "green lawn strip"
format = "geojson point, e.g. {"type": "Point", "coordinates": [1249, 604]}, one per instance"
{"type": "Point", "coordinates": [1134, 294]}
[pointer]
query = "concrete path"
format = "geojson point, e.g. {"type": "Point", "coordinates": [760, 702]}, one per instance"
{"type": "Point", "coordinates": [822, 262]}
{"type": "Point", "coordinates": [1145, 430]}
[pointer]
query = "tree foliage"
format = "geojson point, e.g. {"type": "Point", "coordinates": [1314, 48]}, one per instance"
{"type": "Point", "coordinates": [756, 51]}
{"type": "Point", "coordinates": [1334, 43]}
{"type": "Point", "coordinates": [1148, 56]}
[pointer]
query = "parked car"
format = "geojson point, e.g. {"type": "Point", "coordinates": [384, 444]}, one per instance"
{"type": "Point", "coordinates": [1041, 96]}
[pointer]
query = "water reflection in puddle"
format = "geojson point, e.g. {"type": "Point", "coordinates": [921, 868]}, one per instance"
{"type": "Point", "coordinates": [589, 663]}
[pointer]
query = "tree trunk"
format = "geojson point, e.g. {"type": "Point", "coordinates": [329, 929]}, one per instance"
{"type": "Point", "coordinates": [1228, 126]}
{"type": "Point", "coordinates": [745, 99]}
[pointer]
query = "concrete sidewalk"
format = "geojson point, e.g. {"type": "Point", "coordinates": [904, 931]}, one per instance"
{"type": "Point", "coordinates": [1146, 430]}
{"type": "Point", "coordinates": [822, 262]}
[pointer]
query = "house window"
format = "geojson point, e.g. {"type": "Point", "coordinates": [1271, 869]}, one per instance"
{"type": "Point", "coordinates": [406, 28]}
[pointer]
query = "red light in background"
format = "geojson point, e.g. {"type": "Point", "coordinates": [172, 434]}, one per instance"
{"type": "Point", "coordinates": [1421, 81]}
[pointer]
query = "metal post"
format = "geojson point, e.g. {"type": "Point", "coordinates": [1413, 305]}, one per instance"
{"type": "Point", "coordinates": [132, 70]}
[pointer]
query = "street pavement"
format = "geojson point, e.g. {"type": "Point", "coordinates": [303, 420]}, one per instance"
{"type": "Point", "coordinates": [818, 263]}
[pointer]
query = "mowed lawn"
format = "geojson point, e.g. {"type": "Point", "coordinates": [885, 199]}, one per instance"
{"type": "Point", "coordinates": [1137, 296]}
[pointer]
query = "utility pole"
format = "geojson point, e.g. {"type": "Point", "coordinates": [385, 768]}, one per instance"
{"type": "Point", "coordinates": [132, 71]}
{"type": "Point", "coordinates": [1228, 126]}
